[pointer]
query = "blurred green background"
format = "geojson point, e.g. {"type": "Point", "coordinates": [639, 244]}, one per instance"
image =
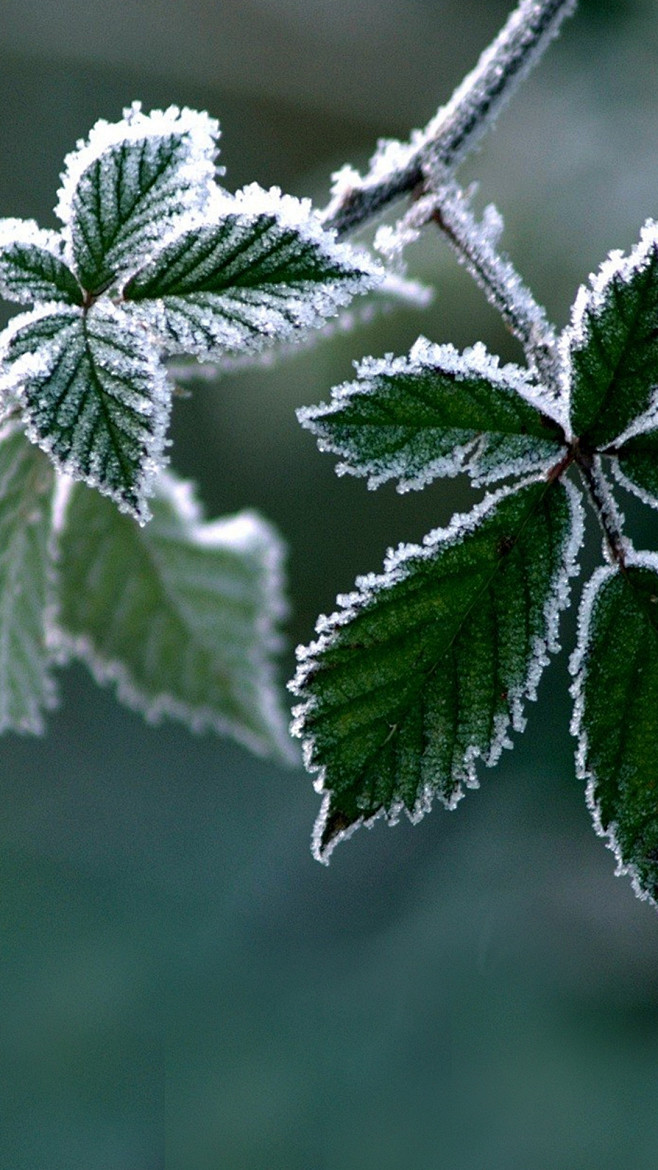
{"type": "Point", "coordinates": [181, 985]}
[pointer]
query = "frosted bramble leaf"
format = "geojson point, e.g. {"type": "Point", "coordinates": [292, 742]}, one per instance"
{"type": "Point", "coordinates": [391, 291]}
{"type": "Point", "coordinates": [31, 265]}
{"type": "Point", "coordinates": [94, 396]}
{"type": "Point", "coordinates": [262, 271]}
{"type": "Point", "coordinates": [611, 347]}
{"type": "Point", "coordinates": [423, 669]}
{"type": "Point", "coordinates": [435, 413]}
{"type": "Point", "coordinates": [635, 464]}
{"type": "Point", "coordinates": [616, 692]}
{"type": "Point", "coordinates": [26, 580]}
{"type": "Point", "coordinates": [126, 188]}
{"type": "Point", "coordinates": [181, 615]}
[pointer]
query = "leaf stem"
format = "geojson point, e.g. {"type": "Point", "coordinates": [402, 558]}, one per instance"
{"type": "Point", "coordinates": [397, 169]}
{"type": "Point", "coordinates": [503, 286]}
{"type": "Point", "coordinates": [604, 505]}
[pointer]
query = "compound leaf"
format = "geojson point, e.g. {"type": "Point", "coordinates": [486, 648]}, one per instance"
{"type": "Point", "coordinates": [181, 615]}
{"type": "Point", "coordinates": [262, 271]}
{"type": "Point", "coordinates": [31, 265]}
{"type": "Point", "coordinates": [130, 184]}
{"type": "Point", "coordinates": [423, 669]}
{"type": "Point", "coordinates": [95, 396]}
{"type": "Point", "coordinates": [611, 346]}
{"type": "Point", "coordinates": [26, 579]}
{"type": "Point", "coordinates": [435, 413]}
{"type": "Point", "coordinates": [616, 691]}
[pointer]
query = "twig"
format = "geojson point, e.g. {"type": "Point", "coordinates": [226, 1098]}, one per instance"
{"type": "Point", "coordinates": [397, 169]}
{"type": "Point", "coordinates": [503, 286]}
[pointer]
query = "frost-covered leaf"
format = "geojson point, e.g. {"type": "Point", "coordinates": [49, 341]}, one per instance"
{"type": "Point", "coordinates": [424, 668]}
{"type": "Point", "coordinates": [26, 578]}
{"type": "Point", "coordinates": [611, 346]}
{"type": "Point", "coordinates": [31, 265]}
{"type": "Point", "coordinates": [261, 272]}
{"type": "Point", "coordinates": [391, 291]}
{"type": "Point", "coordinates": [434, 414]}
{"type": "Point", "coordinates": [636, 466]}
{"type": "Point", "coordinates": [616, 714]}
{"type": "Point", "coordinates": [95, 396]}
{"type": "Point", "coordinates": [130, 185]}
{"type": "Point", "coordinates": [181, 615]}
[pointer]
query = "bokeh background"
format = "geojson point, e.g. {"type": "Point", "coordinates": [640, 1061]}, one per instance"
{"type": "Point", "coordinates": [181, 984]}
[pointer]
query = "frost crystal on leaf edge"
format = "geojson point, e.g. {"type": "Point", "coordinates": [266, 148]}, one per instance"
{"type": "Point", "coordinates": [368, 586]}
{"type": "Point", "coordinates": [199, 128]}
{"type": "Point", "coordinates": [36, 363]}
{"type": "Point", "coordinates": [591, 298]}
{"type": "Point", "coordinates": [423, 357]}
{"type": "Point", "coordinates": [578, 668]}
{"type": "Point", "coordinates": [245, 531]}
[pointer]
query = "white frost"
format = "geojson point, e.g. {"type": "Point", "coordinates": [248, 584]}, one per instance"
{"type": "Point", "coordinates": [128, 366]}
{"type": "Point", "coordinates": [368, 587]}
{"type": "Point", "coordinates": [244, 316]}
{"type": "Point", "coordinates": [578, 666]}
{"type": "Point", "coordinates": [476, 246]}
{"type": "Point", "coordinates": [456, 127]}
{"type": "Point", "coordinates": [195, 592]}
{"type": "Point", "coordinates": [198, 128]}
{"type": "Point", "coordinates": [24, 232]}
{"type": "Point", "coordinates": [27, 231]}
{"type": "Point", "coordinates": [471, 455]}
{"type": "Point", "coordinates": [590, 302]}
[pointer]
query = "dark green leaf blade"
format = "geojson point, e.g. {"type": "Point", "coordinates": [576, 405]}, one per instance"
{"type": "Point", "coordinates": [612, 344]}
{"type": "Point", "coordinates": [95, 397]}
{"type": "Point", "coordinates": [262, 271]}
{"type": "Point", "coordinates": [130, 185]}
{"type": "Point", "coordinates": [26, 581]}
{"type": "Point", "coordinates": [31, 265]}
{"type": "Point", "coordinates": [434, 414]}
{"type": "Point", "coordinates": [424, 669]}
{"type": "Point", "coordinates": [615, 719]}
{"type": "Point", "coordinates": [635, 465]}
{"type": "Point", "coordinates": [181, 615]}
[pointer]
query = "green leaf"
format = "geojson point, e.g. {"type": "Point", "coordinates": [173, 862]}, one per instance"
{"type": "Point", "coordinates": [635, 464]}
{"type": "Point", "coordinates": [95, 396]}
{"type": "Point", "coordinates": [612, 344]}
{"type": "Point", "coordinates": [249, 278]}
{"type": "Point", "coordinates": [26, 579]}
{"type": "Point", "coordinates": [130, 185]}
{"type": "Point", "coordinates": [435, 413]}
{"type": "Point", "coordinates": [616, 720]}
{"type": "Point", "coordinates": [423, 669]}
{"type": "Point", "coordinates": [181, 615]}
{"type": "Point", "coordinates": [31, 267]}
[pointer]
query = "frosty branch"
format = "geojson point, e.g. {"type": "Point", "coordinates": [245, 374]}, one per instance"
{"type": "Point", "coordinates": [413, 679]}
{"type": "Point", "coordinates": [424, 670]}
{"type": "Point", "coordinates": [398, 169]}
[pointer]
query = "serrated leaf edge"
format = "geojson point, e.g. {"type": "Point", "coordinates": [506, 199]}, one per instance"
{"type": "Point", "coordinates": [28, 232]}
{"type": "Point", "coordinates": [362, 273]}
{"type": "Point", "coordinates": [425, 356]}
{"type": "Point", "coordinates": [36, 363]}
{"type": "Point", "coordinates": [631, 486]}
{"type": "Point", "coordinates": [578, 668]}
{"type": "Point", "coordinates": [297, 215]}
{"type": "Point", "coordinates": [591, 299]}
{"type": "Point", "coordinates": [201, 130]}
{"type": "Point", "coordinates": [255, 533]}
{"type": "Point", "coordinates": [395, 569]}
